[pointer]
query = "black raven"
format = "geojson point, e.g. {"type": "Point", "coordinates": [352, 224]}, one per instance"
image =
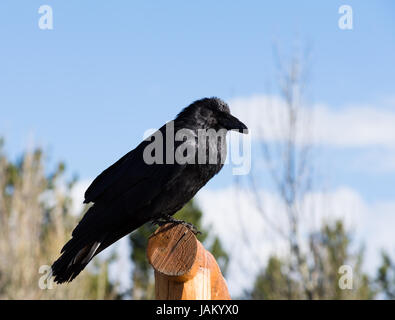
{"type": "Point", "coordinates": [136, 190]}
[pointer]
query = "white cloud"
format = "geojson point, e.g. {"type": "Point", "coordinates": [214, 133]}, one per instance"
{"type": "Point", "coordinates": [378, 232]}
{"type": "Point", "coordinates": [77, 194]}
{"type": "Point", "coordinates": [348, 126]}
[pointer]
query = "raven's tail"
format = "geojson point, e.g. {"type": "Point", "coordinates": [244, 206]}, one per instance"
{"type": "Point", "coordinates": [75, 256]}
{"type": "Point", "coordinates": [81, 248]}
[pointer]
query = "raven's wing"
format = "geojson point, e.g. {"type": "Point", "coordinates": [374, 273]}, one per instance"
{"type": "Point", "coordinates": [128, 163]}
{"type": "Point", "coordinates": [118, 194]}
{"type": "Point", "coordinates": [131, 172]}
{"type": "Point", "coordinates": [128, 185]}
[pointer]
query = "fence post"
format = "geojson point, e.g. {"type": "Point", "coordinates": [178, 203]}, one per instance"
{"type": "Point", "coordinates": [184, 269]}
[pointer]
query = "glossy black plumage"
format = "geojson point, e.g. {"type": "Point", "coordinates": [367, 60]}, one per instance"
{"type": "Point", "coordinates": [131, 192]}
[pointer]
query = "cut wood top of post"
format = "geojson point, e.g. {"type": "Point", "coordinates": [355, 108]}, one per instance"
{"type": "Point", "coordinates": [184, 269]}
{"type": "Point", "coordinates": [173, 250]}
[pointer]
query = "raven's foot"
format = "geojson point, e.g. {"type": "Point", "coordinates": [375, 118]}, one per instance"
{"type": "Point", "coordinates": [169, 219]}
{"type": "Point", "coordinates": [160, 222]}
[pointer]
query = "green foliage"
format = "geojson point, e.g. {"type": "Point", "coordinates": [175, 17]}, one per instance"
{"type": "Point", "coordinates": [386, 277]}
{"type": "Point", "coordinates": [274, 283]}
{"type": "Point", "coordinates": [329, 250]}
{"type": "Point", "coordinates": [142, 274]}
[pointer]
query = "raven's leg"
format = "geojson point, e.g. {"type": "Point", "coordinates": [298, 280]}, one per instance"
{"type": "Point", "coordinates": [158, 221]}
{"type": "Point", "coordinates": [169, 219]}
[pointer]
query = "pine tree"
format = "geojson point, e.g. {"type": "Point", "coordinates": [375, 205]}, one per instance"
{"type": "Point", "coordinates": [329, 249]}
{"type": "Point", "coordinates": [385, 279]}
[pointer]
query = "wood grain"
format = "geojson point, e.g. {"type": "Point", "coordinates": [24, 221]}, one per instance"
{"type": "Point", "coordinates": [184, 269]}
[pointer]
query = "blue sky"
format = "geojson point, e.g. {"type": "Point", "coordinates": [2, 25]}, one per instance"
{"type": "Point", "coordinates": [87, 90]}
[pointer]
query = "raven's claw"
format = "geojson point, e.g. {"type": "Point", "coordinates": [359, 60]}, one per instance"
{"type": "Point", "coordinates": [169, 219]}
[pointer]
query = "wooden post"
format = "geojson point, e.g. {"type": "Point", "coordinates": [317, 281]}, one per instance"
{"type": "Point", "coordinates": [184, 269]}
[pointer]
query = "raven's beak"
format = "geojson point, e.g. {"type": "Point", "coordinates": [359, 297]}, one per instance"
{"type": "Point", "coordinates": [230, 122]}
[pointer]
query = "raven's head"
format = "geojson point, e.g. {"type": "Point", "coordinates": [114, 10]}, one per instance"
{"type": "Point", "coordinates": [211, 113]}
